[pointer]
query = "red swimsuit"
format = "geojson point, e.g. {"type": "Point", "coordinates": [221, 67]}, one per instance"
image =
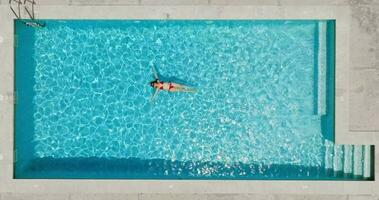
{"type": "Point", "coordinates": [170, 86]}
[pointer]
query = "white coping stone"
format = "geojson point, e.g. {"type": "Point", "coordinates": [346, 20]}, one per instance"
{"type": "Point", "coordinates": [357, 137]}
{"type": "Point", "coordinates": [104, 197]}
{"type": "Point", "coordinates": [245, 2]}
{"type": "Point", "coordinates": [314, 2]}
{"type": "Point", "coordinates": [363, 51]}
{"type": "Point", "coordinates": [52, 2]}
{"type": "Point", "coordinates": [364, 61]}
{"type": "Point", "coordinates": [103, 2]}
{"type": "Point", "coordinates": [341, 13]}
{"type": "Point", "coordinates": [174, 2]}
{"type": "Point", "coordinates": [364, 101]}
{"type": "Point", "coordinates": [242, 196]}
{"type": "Point", "coordinates": [363, 197]}
{"type": "Point", "coordinates": [20, 196]}
{"type": "Point", "coordinates": [364, 2]}
{"type": "Point", "coordinates": [312, 197]}
{"type": "Point", "coordinates": [172, 197]}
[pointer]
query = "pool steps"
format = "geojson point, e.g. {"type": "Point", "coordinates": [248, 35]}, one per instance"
{"type": "Point", "coordinates": [321, 68]}
{"type": "Point", "coordinates": [349, 160]}
{"type": "Point", "coordinates": [338, 158]}
{"type": "Point", "coordinates": [358, 165]}
{"type": "Point", "coordinates": [367, 161]}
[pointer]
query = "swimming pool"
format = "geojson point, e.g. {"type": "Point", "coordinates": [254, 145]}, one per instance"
{"type": "Point", "coordinates": [264, 106]}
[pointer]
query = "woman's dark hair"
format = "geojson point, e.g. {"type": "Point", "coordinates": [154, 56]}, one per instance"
{"type": "Point", "coordinates": [152, 82]}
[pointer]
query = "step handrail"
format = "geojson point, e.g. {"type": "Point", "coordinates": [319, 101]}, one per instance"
{"type": "Point", "coordinates": [31, 15]}
{"type": "Point", "coordinates": [33, 23]}
{"type": "Point", "coordinates": [18, 16]}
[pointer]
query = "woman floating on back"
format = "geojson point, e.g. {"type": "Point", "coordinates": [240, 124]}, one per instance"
{"type": "Point", "coordinates": [159, 85]}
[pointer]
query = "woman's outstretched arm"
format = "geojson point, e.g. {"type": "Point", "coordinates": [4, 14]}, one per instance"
{"type": "Point", "coordinates": [154, 72]}
{"type": "Point", "coordinates": [154, 95]}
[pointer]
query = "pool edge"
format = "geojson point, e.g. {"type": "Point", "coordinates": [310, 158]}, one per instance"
{"type": "Point", "coordinates": [8, 184]}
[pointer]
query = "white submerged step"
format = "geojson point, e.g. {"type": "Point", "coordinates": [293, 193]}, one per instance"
{"type": "Point", "coordinates": [367, 161]}
{"type": "Point", "coordinates": [358, 162]}
{"type": "Point", "coordinates": [348, 159]}
{"type": "Point", "coordinates": [329, 154]}
{"type": "Point", "coordinates": [338, 158]}
{"type": "Point", "coordinates": [321, 69]}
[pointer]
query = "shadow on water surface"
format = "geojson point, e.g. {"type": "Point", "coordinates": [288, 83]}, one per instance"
{"type": "Point", "coordinates": [135, 168]}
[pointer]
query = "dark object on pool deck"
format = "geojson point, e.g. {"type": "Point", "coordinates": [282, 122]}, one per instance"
{"type": "Point", "coordinates": [34, 24]}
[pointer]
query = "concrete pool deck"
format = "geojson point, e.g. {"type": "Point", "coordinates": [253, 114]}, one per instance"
{"type": "Point", "coordinates": [357, 96]}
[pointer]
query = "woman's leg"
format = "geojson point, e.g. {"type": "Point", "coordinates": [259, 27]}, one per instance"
{"type": "Point", "coordinates": [182, 89]}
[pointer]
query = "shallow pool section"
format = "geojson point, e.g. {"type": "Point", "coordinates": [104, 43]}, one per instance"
{"type": "Point", "coordinates": [264, 106]}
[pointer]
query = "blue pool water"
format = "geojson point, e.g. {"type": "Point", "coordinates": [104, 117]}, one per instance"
{"type": "Point", "coordinates": [263, 107]}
